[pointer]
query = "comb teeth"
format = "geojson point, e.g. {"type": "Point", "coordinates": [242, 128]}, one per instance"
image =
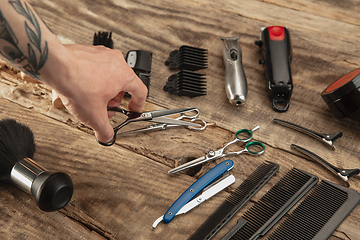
{"type": "Point", "coordinates": [315, 217]}
{"type": "Point", "coordinates": [186, 83]}
{"type": "Point", "coordinates": [103, 38]}
{"type": "Point", "coordinates": [235, 201]}
{"type": "Point", "coordinates": [273, 205]}
{"type": "Point", "coordinates": [188, 58]}
{"type": "Point", "coordinates": [251, 184]}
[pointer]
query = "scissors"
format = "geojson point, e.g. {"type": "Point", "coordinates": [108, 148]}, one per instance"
{"type": "Point", "coordinates": [151, 116]}
{"type": "Point", "coordinates": [162, 126]}
{"type": "Point", "coordinates": [212, 155]}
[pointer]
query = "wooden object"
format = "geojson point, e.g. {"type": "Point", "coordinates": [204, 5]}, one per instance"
{"type": "Point", "coordinates": [56, 101]}
{"type": "Point", "coordinates": [121, 190]}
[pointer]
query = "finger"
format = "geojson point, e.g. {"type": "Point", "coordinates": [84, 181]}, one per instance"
{"type": "Point", "coordinates": [99, 122]}
{"type": "Point", "coordinates": [104, 132]}
{"type": "Point", "coordinates": [115, 102]}
{"type": "Point", "coordinates": [138, 92]}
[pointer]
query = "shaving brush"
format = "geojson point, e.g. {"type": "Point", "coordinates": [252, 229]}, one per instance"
{"type": "Point", "coordinates": [51, 190]}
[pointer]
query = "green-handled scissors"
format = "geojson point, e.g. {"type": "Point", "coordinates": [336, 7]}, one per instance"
{"type": "Point", "coordinates": [255, 148]}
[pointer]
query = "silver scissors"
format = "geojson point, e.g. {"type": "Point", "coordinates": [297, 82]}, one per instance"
{"type": "Point", "coordinates": [162, 126]}
{"type": "Point", "coordinates": [212, 155]}
{"type": "Point", "coordinates": [151, 116]}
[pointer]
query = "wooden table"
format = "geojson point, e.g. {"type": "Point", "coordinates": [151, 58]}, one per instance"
{"type": "Point", "coordinates": [121, 190]}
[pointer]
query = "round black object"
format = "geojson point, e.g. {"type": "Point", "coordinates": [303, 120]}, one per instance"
{"type": "Point", "coordinates": [52, 191]}
{"type": "Point", "coordinates": [343, 96]}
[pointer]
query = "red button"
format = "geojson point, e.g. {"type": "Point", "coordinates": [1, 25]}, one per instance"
{"type": "Point", "coordinates": [276, 33]}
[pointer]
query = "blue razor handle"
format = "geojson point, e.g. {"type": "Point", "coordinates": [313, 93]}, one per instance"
{"type": "Point", "coordinates": [212, 175]}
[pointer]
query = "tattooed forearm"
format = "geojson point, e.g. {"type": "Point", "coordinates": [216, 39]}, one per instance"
{"type": "Point", "coordinates": [34, 57]}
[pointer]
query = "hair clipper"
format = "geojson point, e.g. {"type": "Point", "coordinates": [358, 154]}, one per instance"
{"type": "Point", "coordinates": [277, 51]}
{"type": "Point", "coordinates": [235, 80]}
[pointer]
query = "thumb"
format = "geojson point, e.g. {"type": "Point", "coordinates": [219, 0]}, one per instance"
{"type": "Point", "coordinates": [104, 132]}
{"type": "Point", "coordinates": [97, 120]}
{"type": "Point", "coordinates": [105, 136]}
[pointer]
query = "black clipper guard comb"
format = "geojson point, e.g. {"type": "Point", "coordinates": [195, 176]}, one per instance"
{"type": "Point", "coordinates": [186, 83]}
{"type": "Point", "coordinates": [188, 58]}
{"type": "Point", "coordinates": [140, 62]}
{"type": "Point", "coordinates": [277, 52]}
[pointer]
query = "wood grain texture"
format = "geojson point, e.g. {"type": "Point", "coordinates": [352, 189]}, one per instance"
{"type": "Point", "coordinates": [324, 50]}
{"type": "Point", "coordinates": [120, 191]}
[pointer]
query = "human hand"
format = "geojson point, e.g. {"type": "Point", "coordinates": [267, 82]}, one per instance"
{"type": "Point", "coordinates": [92, 79]}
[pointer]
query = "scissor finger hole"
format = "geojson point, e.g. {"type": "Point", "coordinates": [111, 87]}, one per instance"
{"type": "Point", "coordinates": [202, 124]}
{"type": "Point", "coordinates": [244, 135]}
{"type": "Point", "coordinates": [255, 147]}
{"type": "Point", "coordinates": [187, 115]}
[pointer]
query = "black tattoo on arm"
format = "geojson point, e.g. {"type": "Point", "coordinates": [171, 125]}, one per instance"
{"type": "Point", "coordinates": [9, 42]}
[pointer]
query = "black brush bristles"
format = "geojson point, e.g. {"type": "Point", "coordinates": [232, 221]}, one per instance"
{"type": "Point", "coordinates": [273, 205]}
{"type": "Point", "coordinates": [319, 214]}
{"type": "Point", "coordinates": [103, 38]}
{"type": "Point", "coordinates": [235, 201]}
{"type": "Point", "coordinates": [16, 143]}
{"type": "Point", "coordinates": [188, 58]}
{"type": "Point", "coordinates": [186, 83]}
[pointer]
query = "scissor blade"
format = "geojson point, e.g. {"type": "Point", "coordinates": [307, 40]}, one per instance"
{"type": "Point", "coordinates": [174, 122]}
{"type": "Point", "coordinates": [217, 187]}
{"type": "Point", "coordinates": [148, 128]}
{"type": "Point", "coordinates": [162, 113]}
{"type": "Point", "coordinates": [187, 165]}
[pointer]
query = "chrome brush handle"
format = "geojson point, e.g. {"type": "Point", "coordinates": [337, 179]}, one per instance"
{"type": "Point", "coordinates": [52, 191]}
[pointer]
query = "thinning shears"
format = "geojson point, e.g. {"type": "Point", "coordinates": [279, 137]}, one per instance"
{"type": "Point", "coordinates": [255, 148]}
{"type": "Point", "coordinates": [192, 117]}
{"type": "Point", "coordinates": [158, 116]}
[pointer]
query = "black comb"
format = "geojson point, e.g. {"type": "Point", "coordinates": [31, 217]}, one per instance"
{"type": "Point", "coordinates": [188, 58]}
{"type": "Point", "coordinates": [319, 214]}
{"type": "Point", "coordinates": [103, 38]}
{"type": "Point", "coordinates": [272, 206]}
{"type": "Point", "coordinates": [234, 202]}
{"type": "Point", "coordinates": [186, 83]}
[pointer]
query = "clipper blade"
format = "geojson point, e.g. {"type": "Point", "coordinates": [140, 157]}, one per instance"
{"type": "Point", "coordinates": [186, 83]}
{"type": "Point", "coordinates": [188, 58]}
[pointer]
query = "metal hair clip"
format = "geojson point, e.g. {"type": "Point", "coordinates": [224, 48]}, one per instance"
{"type": "Point", "coordinates": [343, 174]}
{"type": "Point", "coordinates": [328, 139]}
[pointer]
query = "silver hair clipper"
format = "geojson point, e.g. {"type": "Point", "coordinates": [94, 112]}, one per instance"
{"type": "Point", "coordinates": [235, 79]}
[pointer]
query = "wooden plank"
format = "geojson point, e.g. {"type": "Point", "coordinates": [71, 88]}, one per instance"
{"type": "Point", "coordinates": [21, 218]}
{"type": "Point", "coordinates": [323, 52]}
{"type": "Point", "coordinates": [109, 183]}
{"type": "Point", "coordinates": [110, 196]}
{"type": "Point", "coordinates": [343, 11]}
